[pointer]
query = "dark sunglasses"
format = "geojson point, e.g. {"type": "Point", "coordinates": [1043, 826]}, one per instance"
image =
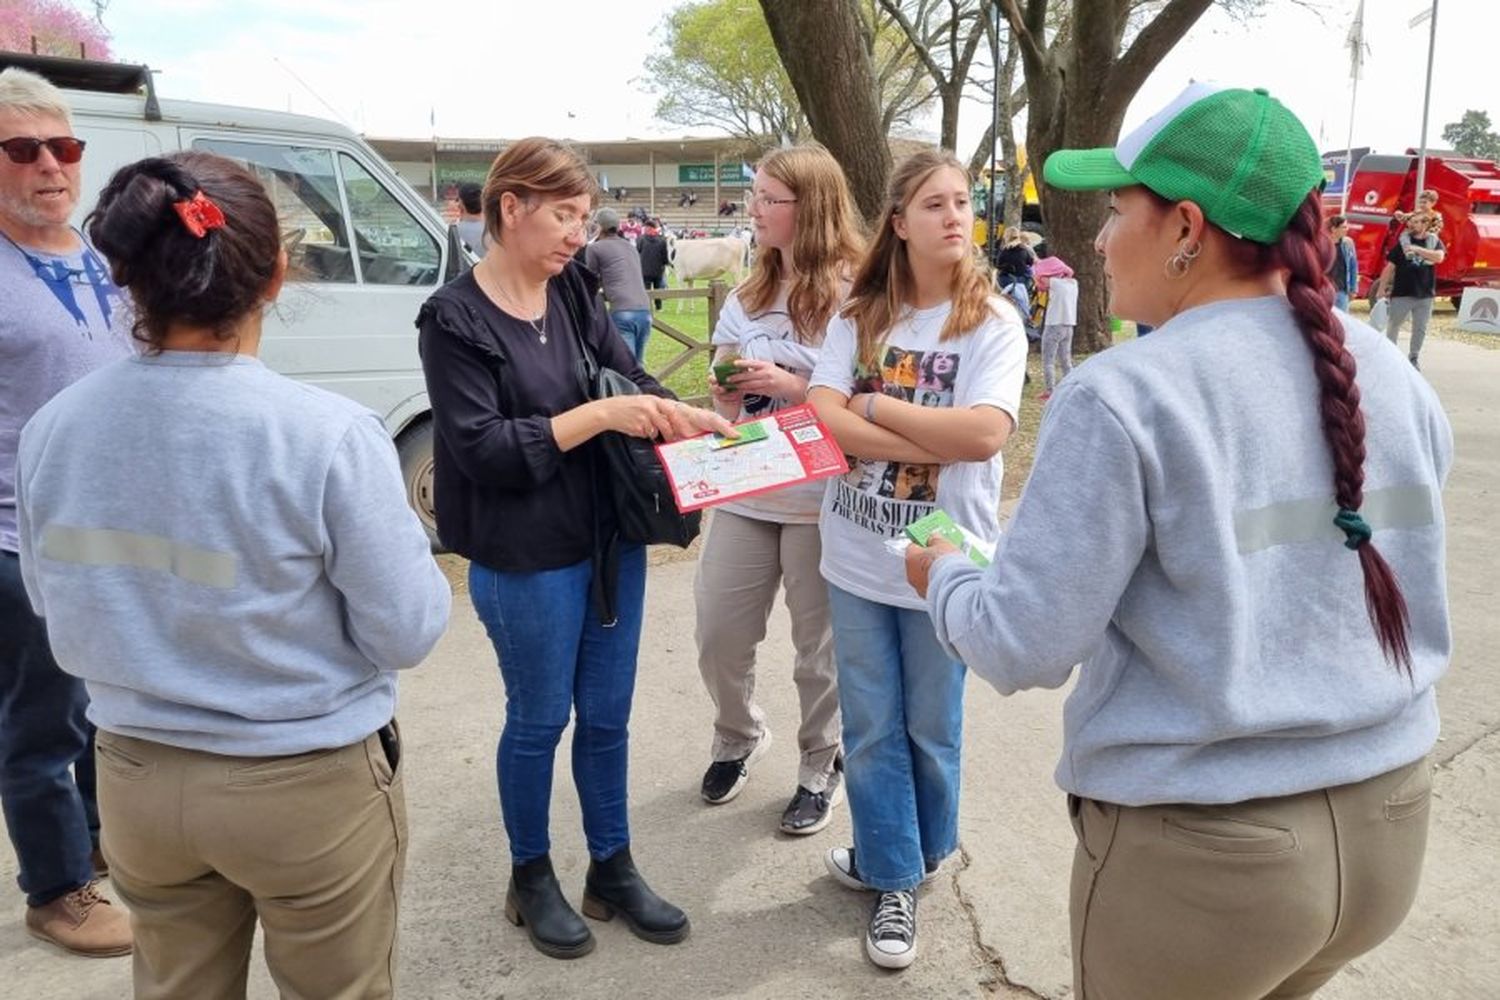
{"type": "Point", "coordinates": [25, 149]}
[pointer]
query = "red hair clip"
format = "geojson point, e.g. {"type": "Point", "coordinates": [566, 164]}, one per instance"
{"type": "Point", "coordinates": [199, 214]}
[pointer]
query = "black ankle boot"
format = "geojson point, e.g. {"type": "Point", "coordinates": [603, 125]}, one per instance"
{"type": "Point", "coordinates": [535, 902]}
{"type": "Point", "coordinates": [614, 886]}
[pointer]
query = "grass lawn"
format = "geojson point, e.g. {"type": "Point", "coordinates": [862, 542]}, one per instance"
{"type": "Point", "coordinates": [691, 380]}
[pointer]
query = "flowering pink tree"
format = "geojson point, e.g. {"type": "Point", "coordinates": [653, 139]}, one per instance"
{"type": "Point", "coordinates": [60, 29]}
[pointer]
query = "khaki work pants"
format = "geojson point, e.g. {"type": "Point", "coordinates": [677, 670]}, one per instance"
{"type": "Point", "coordinates": [201, 845]}
{"type": "Point", "coordinates": [743, 563]}
{"type": "Point", "coordinates": [1261, 899]}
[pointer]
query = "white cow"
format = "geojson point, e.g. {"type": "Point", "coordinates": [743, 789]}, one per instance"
{"type": "Point", "coordinates": [710, 258]}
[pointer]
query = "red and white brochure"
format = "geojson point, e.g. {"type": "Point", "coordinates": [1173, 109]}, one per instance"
{"type": "Point", "coordinates": [788, 447]}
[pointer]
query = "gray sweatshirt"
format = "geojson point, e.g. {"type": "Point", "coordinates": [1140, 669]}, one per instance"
{"type": "Point", "coordinates": [619, 267]}
{"type": "Point", "coordinates": [224, 555]}
{"type": "Point", "coordinates": [1177, 537]}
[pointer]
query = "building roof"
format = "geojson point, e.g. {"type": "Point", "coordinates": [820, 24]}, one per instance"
{"type": "Point", "coordinates": [627, 150]}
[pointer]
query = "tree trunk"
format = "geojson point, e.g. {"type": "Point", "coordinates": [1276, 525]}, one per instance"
{"type": "Point", "coordinates": [1078, 93]}
{"type": "Point", "coordinates": [821, 45]}
{"type": "Point", "coordinates": [950, 94]}
{"type": "Point", "coordinates": [1073, 219]}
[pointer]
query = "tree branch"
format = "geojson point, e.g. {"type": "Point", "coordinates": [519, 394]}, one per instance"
{"type": "Point", "coordinates": [1156, 39]}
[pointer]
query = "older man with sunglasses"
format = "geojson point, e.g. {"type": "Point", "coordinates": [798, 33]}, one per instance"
{"type": "Point", "coordinates": [61, 317]}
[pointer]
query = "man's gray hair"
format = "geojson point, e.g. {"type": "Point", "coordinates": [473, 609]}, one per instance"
{"type": "Point", "coordinates": [24, 91]}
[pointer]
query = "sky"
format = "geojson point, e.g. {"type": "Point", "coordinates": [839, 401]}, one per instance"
{"type": "Point", "coordinates": [572, 68]}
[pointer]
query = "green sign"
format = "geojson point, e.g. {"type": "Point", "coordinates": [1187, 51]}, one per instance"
{"type": "Point", "coordinates": [703, 173]}
{"type": "Point", "coordinates": [461, 173]}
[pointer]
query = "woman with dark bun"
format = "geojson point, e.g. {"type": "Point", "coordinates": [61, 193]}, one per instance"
{"type": "Point", "coordinates": [227, 559]}
{"type": "Point", "coordinates": [1236, 527]}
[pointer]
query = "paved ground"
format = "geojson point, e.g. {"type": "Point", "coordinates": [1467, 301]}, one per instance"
{"type": "Point", "coordinates": [766, 922]}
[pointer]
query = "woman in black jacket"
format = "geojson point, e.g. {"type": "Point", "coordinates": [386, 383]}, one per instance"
{"type": "Point", "coordinates": [516, 494]}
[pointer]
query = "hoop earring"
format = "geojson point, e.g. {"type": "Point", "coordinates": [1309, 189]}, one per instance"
{"type": "Point", "coordinates": [1177, 265]}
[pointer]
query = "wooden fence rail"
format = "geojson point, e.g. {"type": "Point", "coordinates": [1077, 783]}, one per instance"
{"type": "Point", "coordinates": [691, 347]}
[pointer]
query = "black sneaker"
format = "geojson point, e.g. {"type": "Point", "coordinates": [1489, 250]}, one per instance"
{"type": "Point", "coordinates": [724, 778]}
{"type": "Point", "coordinates": [809, 812]}
{"type": "Point", "coordinates": [840, 864]}
{"type": "Point", "coordinates": [891, 941]}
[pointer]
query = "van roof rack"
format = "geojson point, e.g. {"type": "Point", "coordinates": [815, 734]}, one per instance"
{"type": "Point", "coordinates": [90, 74]}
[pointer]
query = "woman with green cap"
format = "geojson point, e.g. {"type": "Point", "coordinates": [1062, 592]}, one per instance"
{"type": "Point", "coordinates": [1236, 527]}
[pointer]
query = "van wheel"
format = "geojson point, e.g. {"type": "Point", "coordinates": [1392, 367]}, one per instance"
{"type": "Point", "coordinates": [414, 447]}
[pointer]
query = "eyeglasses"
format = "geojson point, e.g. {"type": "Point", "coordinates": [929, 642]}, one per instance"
{"type": "Point", "coordinates": [25, 149]}
{"type": "Point", "coordinates": [571, 225]}
{"type": "Point", "coordinates": [763, 200]}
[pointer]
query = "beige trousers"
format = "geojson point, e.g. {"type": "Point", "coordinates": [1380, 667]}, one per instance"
{"type": "Point", "coordinates": [201, 845]}
{"type": "Point", "coordinates": [743, 563]}
{"type": "Point", "coordinates": [1261, 899]}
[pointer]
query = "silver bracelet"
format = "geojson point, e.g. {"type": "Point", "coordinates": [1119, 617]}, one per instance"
{"type": "Point", "coordinates": [870, 407]}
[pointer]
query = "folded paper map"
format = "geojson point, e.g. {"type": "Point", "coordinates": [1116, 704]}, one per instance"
{"type": "Point", "coordinates": [771, 453]}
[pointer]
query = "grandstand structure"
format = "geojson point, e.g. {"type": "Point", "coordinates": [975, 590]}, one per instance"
{"type": "Point", "coordinates": [657, 175]}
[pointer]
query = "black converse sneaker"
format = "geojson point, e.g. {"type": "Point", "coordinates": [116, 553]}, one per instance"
{"type": "Point", "coordinates": [840, 864]}
{"type": "Point", "coordinates": [724, 778]}
{"type": "Point", "coordinates": [891, 941]}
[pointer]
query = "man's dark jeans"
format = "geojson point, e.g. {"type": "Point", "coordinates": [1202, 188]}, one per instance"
{"type": "Point", "coordinates": [46, 753]}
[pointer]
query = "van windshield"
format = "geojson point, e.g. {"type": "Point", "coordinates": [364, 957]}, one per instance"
{"type": "Point", "coordinates": [339, 224]}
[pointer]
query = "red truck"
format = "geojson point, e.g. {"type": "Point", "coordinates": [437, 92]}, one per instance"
{"type": "Point", "coordinates": [1468, 198]}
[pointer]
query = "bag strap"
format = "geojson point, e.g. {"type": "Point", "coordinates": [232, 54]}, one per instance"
{"type": "Point", "coordinates": [586, 367]}
{"type": "Point", "coordinates": [606, 551]}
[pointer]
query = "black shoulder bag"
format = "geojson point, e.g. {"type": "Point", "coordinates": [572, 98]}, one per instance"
{"type": "Point", "coordinates": [628, 476]}
{"type": "Point", "coordinates": [638, 485]}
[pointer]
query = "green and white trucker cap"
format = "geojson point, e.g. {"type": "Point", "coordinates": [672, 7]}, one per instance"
{"type": "Point", "coordinates": [1239, 154]}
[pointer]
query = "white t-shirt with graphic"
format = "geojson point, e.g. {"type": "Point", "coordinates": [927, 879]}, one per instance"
{"type": "Point", "coordinates": [770, 336]}
{"type": "Point", "coordinates": [875, 500]}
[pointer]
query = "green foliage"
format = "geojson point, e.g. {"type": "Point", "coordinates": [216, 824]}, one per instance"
{"type": "Point", "coordinates": [719, 68]}
{"type": "Point", "coordinates": [1471, 136]}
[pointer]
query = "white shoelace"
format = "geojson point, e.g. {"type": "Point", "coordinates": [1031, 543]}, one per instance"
{"type": "Point", "coordinates": [895, 917]}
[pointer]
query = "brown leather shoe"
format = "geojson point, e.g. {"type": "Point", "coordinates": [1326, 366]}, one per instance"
{"type": "Point", "coordinates": [82, 922]}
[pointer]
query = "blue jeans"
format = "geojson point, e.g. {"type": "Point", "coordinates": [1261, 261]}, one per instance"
{"type": "Point", "coordinates": [46, 753]}
{"type": "Point", "coordinates": [903, 705]}
{"type": "Point", "coordinates": [1341, 301]}
{"type": "Point", "coordinates": [635, 326]}
{"type": "Point", "coordinates": [557, 659]}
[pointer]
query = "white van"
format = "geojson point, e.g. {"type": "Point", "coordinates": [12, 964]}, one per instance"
{"type": "Point", "coordinates": [366, 250]}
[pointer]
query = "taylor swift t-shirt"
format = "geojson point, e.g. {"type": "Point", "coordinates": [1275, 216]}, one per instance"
{"type": "Point", "coordinates": [875, 500]}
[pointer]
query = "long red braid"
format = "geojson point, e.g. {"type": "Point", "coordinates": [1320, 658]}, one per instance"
{"type": "Point", "coordinates": [1305, 251]}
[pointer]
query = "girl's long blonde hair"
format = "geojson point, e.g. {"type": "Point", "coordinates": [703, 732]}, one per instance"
{"type": "Point", "coordinates": [884, 285]}
{"type": "Point", "coordinates": [826, 246]}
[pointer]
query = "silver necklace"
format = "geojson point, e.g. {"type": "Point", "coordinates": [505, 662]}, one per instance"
{"type": "Point", "coordinates": [538, 324]}
{"type": "Point", "coordinates": [540, 328]}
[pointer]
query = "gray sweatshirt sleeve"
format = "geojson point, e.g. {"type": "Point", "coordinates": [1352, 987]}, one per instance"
{"type": "Point", "coordinates": [396, 599]}
{"type": "Point", "coordinates": [27, 551]}
{"type": "Point", "coordinates": [1075, 540]}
